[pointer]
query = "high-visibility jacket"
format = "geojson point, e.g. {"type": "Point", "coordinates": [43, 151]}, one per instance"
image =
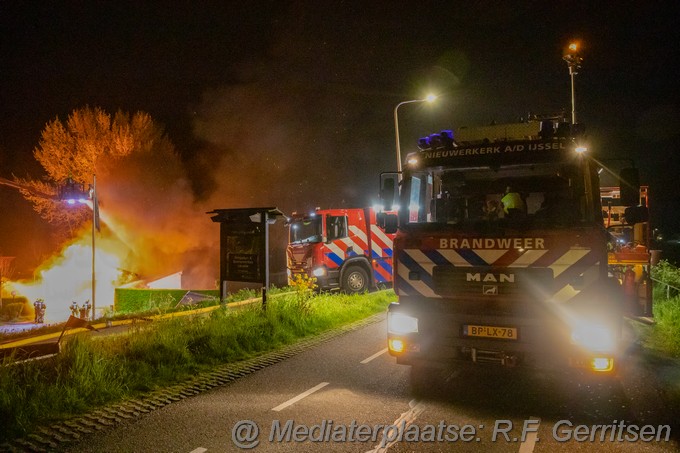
{"type": "Point", "coordinates": [512, 200]}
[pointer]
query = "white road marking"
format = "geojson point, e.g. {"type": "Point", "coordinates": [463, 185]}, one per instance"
{"type": "Point", "coordinates": [404, 421]}
{"type": "Point", "coordinates": [530, 440]}
{"type": "Point", "coordinates": [299, 397]}
{"type": "Point", "coordinates": [377, 354]}
{"type": "Point", "coordinates": [199, 450]}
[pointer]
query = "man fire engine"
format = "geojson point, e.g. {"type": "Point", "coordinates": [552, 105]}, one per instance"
{"type": "Point", "coordinates": [342, 248]}
{"type": "Point", "coordinates": [529, 289]}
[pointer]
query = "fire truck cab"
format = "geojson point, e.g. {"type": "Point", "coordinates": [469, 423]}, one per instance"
{"type": "Point", "coordinates": [343, 249]}
{"type": "Point", "coordinates": [500, 255]}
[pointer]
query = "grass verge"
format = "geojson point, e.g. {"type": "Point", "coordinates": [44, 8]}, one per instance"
{"type": "Point", "coordinates": [161, 301]}
{"type": "Point", "coordinates": [91, 371]}
{"type": "Point", "coordinates": [665, 334]}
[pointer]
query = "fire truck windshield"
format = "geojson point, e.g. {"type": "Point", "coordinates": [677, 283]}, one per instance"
{"type": "Point", "coordinates": [304, 230]}
{"type": "Point", "coordinates": [536, 195]}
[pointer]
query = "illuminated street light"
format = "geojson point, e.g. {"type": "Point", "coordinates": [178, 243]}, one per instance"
{"type": "Point", "coordinates": [430, 98]}
{"type": "Point", "coordinates": [574, 61]}
{"type": "Point", "coordinates": [72, 193]}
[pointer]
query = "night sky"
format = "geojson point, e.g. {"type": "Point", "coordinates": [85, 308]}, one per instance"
{"type": "Point", "coordinates": [290, 104]}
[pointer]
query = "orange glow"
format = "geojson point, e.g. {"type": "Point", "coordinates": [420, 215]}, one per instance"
{"type": "Point", "coordinates": [573, 47]}
{"type": "Point", "coordinates": [602, 364]}
{"type": "Point", "coordinates": [396, 345]}
{"type": "Point", "coordinates": [67, 277]}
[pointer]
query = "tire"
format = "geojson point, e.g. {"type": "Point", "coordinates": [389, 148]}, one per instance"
{"type": "Point", "coordinates": [354, 280]}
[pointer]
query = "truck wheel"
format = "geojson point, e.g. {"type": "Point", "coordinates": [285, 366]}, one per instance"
{"type": "Point", "coordinates": [355, 280]}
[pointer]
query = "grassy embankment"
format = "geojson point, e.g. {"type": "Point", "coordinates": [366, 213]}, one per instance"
{"type": "Point", "coordinates": [91, 371]}
{"type": "Point", "coordinates": [136, 303]}
{"type": "Point", "coordinates": [665, 335]}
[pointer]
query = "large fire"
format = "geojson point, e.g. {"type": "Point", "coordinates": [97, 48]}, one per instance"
{"type": "Point", "coordinates": [125, 247]}
{"type": "Point", "coordinates": [67, 277]}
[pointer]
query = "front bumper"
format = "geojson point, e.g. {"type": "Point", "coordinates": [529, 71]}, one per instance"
{"type": "Point", "coordinates": [541, 342]}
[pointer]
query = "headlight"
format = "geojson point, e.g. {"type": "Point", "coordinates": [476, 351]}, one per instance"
{"type": "Point", "coordinates": [396, 345]}
{"type": "Point", "coordinates": [319, 272]}
{"type": "Point", "coordinates": [593, 337]}
{"type": "Point", "coordinates": [399, 323]}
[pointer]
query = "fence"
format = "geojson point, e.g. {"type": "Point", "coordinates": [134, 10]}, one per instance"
{"type": "Point", "coordinates": [668, 287]}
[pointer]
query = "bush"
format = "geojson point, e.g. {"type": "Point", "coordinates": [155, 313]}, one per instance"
{"type": "Point", "coordinates": [664, 335]}
{"type": "Point", "coordinates": [12, 311]}
{"type": "Point", "coordinates": [667, 273]}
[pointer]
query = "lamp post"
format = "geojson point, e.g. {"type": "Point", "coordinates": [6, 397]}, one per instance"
{"type": "Point", "coordinates": [573, 60]}
{"type": "Point", "coordinates": [95, 221]}
{"type": "Point", "coordinates": [73, 193]}
{"type": "Point", "coordinates": [429, 98]}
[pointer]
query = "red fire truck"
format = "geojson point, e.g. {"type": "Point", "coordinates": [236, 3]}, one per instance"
{"type": "Point", "coordinates": [500, 255]}
{"type": "Point", "coordinates": [342, 248]}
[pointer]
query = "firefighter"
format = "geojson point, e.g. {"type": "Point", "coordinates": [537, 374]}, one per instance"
{"type": "Point", "coordinates": [513, 204]}
{"type": "Point", "coordinates": [36, 310]}
{"type": "Point", "coordinates": [39, 307]}
{"type": "Point", "coordinates": [83, 311]}
{"type": "Point", "coordinates": [87, 309]}
{"type": "Point", "coordinates": [630, 290]}
{"type": "Point", "coordinates": [491, 210]}
{"type": "Point", "coordinates": [74, 309]}
{"type": "Point", "coordinates": [644, 292]}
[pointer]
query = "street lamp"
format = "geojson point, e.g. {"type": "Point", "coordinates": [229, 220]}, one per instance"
{"type": "Point", "coordinates": [429, 98]}
{"type": "Point", "coordinates": [574, 61]}
{"type": "Point", "coordinates": [73, 193]}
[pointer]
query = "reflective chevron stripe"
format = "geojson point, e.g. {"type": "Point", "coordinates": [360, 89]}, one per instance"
{"type": "Point", "coordinates": [416, 266]}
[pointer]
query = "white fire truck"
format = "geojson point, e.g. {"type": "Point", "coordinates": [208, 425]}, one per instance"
{"type": "Point", "coordinates": [500, 255]}
{"type": "Point", "coordinates": [342, 248]}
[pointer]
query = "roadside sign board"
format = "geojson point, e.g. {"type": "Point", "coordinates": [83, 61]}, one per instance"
{"type": "Point", "coordinates": [244, 244]}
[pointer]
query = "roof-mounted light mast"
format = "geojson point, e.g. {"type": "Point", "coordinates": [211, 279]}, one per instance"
{"type": "Point", "coordinates": [574, 61]}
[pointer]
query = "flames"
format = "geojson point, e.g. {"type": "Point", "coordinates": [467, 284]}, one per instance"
{"type": "Point", "coordinates": [125, 249]}
{"type": "Point", "coordinates": [67, 276]}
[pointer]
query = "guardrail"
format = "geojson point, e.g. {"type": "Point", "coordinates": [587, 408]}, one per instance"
{"type": "Point", "coordinates": [668, 287]}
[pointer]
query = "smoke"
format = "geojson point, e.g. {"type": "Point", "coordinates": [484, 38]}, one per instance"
{"type": "Point", "coordinates": [284, 143]}
{"type": "Point", "coordinates": [310, 123]}
{"type": "Point", "coordinates": [147, 203]}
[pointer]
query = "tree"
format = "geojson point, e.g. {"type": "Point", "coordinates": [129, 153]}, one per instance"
{"type": "Point", "coordinates": [89, 143]}
{"type": "Point", "coordinates": [6, 271]}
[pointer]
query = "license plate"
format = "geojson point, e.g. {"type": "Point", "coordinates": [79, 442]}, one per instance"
{"type": "Point", "coordinates": [507, 333]}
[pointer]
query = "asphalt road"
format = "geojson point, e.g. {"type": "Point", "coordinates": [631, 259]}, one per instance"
{"type": "Point", "coordinates": [344, 388]}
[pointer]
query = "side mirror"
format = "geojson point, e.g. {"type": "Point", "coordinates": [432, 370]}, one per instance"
{"type": "Point", "coordinates": [629, 183]}
{"type": "Point", "coordinates": [389, 188]}
{"type": "Point", "coordinates": [636, 214]}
